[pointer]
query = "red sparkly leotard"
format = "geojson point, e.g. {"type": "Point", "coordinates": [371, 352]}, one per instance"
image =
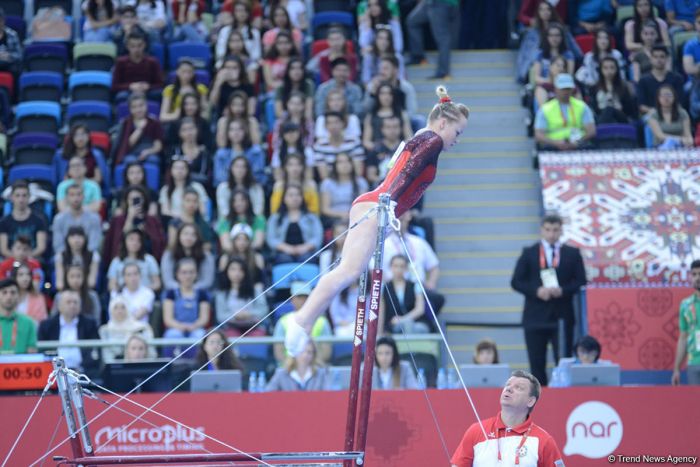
{"type": "Point", "coordinates": [412, 173]}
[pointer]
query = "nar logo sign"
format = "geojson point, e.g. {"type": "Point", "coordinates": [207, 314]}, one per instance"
{"type": "Point", "coordinates": [593, 430]}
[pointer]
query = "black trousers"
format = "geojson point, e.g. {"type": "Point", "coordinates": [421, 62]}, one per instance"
{"type": "Point", "coordinates": [537, 339]}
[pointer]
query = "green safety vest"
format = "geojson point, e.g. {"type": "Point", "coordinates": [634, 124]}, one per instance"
{"type": "Point", "coordinates": [557, 128]}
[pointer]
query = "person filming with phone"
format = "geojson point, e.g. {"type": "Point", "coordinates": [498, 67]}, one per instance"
{"type": "Point", "coordinates": [135, 216]}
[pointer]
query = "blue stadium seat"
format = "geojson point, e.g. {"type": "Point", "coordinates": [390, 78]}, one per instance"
{"type": "Point", "coordinates": [46, 139]}
{"type": "Point", "coordinates": [305, 273]}
{"type": "Point", "coordinates": [40, 86]}
{"type": "Point", "coordinates": [616, 136]}
{"type": "Point", "coordinates": [202, 77]}
{"type": "Point", "coordinates": [648, 137]}
{"type": "Point", "coordinates": [38, 116]}
{"type": "Point", "coordinates": [123, 109]}
{"type": "Point", "coordinates": [33, 148]}
{"type": "Point", "coordinates": [60, 166]}
{"type": "Point", "coordinates": [31, 172]}
{"type": "Point", "coordinates": [270, 116]}
{"type": "Point", "coordinates": [43, 56]}
{"type": "Point", "coordinates": [5, 112]}
{"type": "Point", "coordinates": [90, 86]}
{"type": "Point", "coordinates": [320, 22]}
{"type": "Point", "coordinates": [158, 51]}
{"type": "Point", "coordinates": [152, 176]}
{"type": "Point", "coordinates": [13, 7]}
{"type": "Point", "coordinates": [95, 114]}
{"type": "Point", "coordinates": [17, 24]}
{"type": "Point", "coordinates": [199, 54]}
{"type": "Point", "coordinates": [261, 351]}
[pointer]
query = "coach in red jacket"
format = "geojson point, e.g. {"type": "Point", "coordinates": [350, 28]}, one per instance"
{"type": "Point", "coordinates": [510, 438]}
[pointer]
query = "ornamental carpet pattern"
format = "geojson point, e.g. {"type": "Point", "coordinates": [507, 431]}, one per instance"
{"type": "Point", "coordinates": [634, 214]}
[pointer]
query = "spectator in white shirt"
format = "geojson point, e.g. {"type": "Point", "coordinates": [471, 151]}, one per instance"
{"type": "Point", "coordinates": [139, 299]}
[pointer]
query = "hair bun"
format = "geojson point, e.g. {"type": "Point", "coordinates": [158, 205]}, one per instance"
{"type": "Point", "coordinates": [441, 92]}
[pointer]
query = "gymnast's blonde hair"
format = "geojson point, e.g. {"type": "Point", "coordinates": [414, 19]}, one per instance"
{"type": "Point", "coordinates": [446, 108]}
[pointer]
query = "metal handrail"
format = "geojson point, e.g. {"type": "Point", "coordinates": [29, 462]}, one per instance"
{"type": "Point", "coordinates": [161, 342]}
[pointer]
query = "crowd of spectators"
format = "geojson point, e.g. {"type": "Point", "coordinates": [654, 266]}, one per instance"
{"type": "Point", "coordinates": [611, 73]}
{"type": "Point", "coordinates": [241, 155]}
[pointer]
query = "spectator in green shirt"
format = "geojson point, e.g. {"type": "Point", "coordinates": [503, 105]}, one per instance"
{"type": "Point", "coordinates": [689, 335]}
{"type": "Point", "coordinates": [17, 331]}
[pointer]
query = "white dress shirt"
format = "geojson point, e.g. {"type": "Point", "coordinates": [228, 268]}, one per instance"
{"type": "Point", "coordinates": [69, 333]}
{"type": "Point", "coordinates": [549, 251]}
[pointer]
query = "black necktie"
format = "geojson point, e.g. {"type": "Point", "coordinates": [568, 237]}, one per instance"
{"type": "Point", "coordinates": [554, 255]}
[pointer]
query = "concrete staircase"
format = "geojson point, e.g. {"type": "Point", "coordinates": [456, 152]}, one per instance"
{"type": "Point", "coordinates": [485, 203]}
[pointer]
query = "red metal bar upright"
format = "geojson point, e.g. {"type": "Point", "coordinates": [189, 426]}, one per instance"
{"type": "Point", "coordinates": [355, 371]}
{"type": "Point", "coordinates": [375, 287]}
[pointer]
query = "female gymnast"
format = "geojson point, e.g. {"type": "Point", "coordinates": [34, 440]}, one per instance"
{"type": "Point", "coordinates": [413, 172]}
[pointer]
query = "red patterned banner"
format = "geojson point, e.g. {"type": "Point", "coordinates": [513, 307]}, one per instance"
{"type": "Point", "coordinates": [634, 214]}
{"type": "Point", "coordinates": [637, 327]}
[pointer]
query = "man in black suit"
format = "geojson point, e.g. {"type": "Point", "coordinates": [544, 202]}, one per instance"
{"type": "Point", "coordinates": [70, 326]}
{"type": "Point", "coordinates": [548, 274]}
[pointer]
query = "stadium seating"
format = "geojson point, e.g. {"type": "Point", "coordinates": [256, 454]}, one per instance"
{"type": "Point", "coordinates": [90, 86]}
{"type": "Point", "coordinates": [40, 86]}
{"type": "Point", "coordinates": [42, 56]}
{"type": "Point", "coordinates": [321, 22]}
{"type": "Point", "coordinates": [33, 148]}
{"type": "Point", "coordinates": [198, 54]}
{"type": "Point", "coordinates": [95, 114]}
{"type": "Point", "coordinates": [94, 56]}
{"type": "Point", "coordinates": [38, 116]}
{"type": "Point", "coordinates": [13, 7]}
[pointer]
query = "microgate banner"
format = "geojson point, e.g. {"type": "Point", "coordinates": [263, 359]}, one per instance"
{"type": "Point", "coordinates": [591, 427]}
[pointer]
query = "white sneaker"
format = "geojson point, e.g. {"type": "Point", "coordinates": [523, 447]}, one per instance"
{"type": "Point", "coordinates": [296, 338]}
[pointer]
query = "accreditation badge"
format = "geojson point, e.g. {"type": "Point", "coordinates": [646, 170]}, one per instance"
{"type": "Point", "coordinates": [522, 452]}
{"type": "Point", "coordinates": [549, 278]}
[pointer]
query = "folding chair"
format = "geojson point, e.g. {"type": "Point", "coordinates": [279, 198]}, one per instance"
{"type": "Point", "coordinates": [13, 7]}
{"type": "Point", "coordinates": [5, 109]}
{"type": "Point", "coordinates": [31, 172]}
{"type": "Point", "coordinates": [40, 86]}
{"type": "Point", "coordinates": [17, 24]}
{"type": "Point", "coordinates": [199, 54]}
{"type": "Point", "coordinates": [33, 148]}
{"type": "Point", "coordinates": [7, 82]}
{"type": "Point", "coordinates": [90, 86]}
{"type": "Point", "coordinates": [201, 76]}
{"type": "Point", "coordinates": [322, 6]}
{"type": "Point", "coordinates": [101, 140]}
{"type": "Point", "coordinates": [95, 114]}
{"type": "Point", "coordinates": [38, 116]}
{"type": "Point", "coordinates": [42, 56]}
{"type": "Point", "coordinates": [158, 51]}
{"type": "Point", "coordinates": [321, 22]}
{"type": "Point", "coordinates": [304, 274]}
{"type": "Point", "coordinates": [123, 109]}
{"type": "Point", "coordinates": [585, 42]}
{"type": "Point", "coordinates": [60, 166]}
{"type": "Point", "coordinates": [616, 136]}
{"type": "Point", "coordinates": [94, 56]}
{"type": "Point", "coordinates": [152, 176]}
